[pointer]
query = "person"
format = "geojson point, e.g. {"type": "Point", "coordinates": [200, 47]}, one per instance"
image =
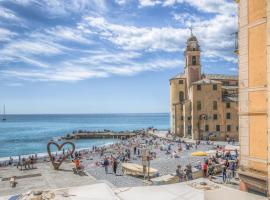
{"type": "Point", "coordinates": [10, 162]}
{"type": "Point", "coordinates": [189, 172]}
{"type": "Point", "coordinates": [205, 168]}
{"type": "Point", "coordinates": [115, 164]}
{"type": "Point", "coordinates": [106, 164]}
{"type": "Point", "coordinates": [210, 170]}
{"type": "Point", "coordinates": [180, 173]}
{"type": "Point", "coordinates": [134, 150]}
{"type": "Point", "coordinates": [77, 163]}
{"type": "Point", "coordinates": [32, 160]}
{"type": "Point", "coordinates": [224, 173]}
{"type": "Point", "coordinates": [233, 168]}
{"type": "Point", "coordinates": [227, 164]}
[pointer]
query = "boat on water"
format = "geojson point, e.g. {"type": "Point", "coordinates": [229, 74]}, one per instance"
{"type": "Point", "coordinates": [4, 113]}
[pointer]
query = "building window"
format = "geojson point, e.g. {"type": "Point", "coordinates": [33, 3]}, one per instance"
{"type": "Point", "coordinates": [199, 87]}
{"type": "Point", "coordinates": [228, 105]}
{"type": "Point", "coordinates": [181, 96]}
{"type": "Point", "coordinates": [189, 118]}
{"type": "Point", "coordinates": [214, 105]}
{"type": "Point", "coordinates": [217, 127]}
{"type": "Point", "coordinates": [181, 81]}
{"type": "Point", "coordinates": [215, 87]}
{"type": "Point", "coordinates": [236, 128]}
{"type": "Point", "coordinates": [199, 105]}
{"type": "Point", "coordinates": [206, 127]}
{"type": "Point", "coordinates": [228, 115]}
{"type": "Point", "coordinates": [193, 60]}
{"type": "Point", "coordinates": [215, 116]}
{"type": "Point", "coordinates": [228, 128]}
{"type": "Point", "coordinates": [182, 118]}
{"type": "Point", "coordinates": [226, 83]}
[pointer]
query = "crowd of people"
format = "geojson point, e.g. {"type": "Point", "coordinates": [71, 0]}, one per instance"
{"type": "Point", "coordinates": [132, 150]}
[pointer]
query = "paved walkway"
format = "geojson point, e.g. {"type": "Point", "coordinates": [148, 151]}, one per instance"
{"type": "Point", "coordinates": [43, 177]}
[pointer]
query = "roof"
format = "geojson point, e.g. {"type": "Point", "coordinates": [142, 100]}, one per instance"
{"type": "Point", "coordinates": [198, 189]}
{"type": "Point", "coordinates": [231, 99]}
{"type": "Point", "coordinates": [211, 76]}
{"type": "Point", "coordinates": [221, 76]}
{"type": "Point", "coordinates": [192, 38]}
{"type": "Point", "coordinates": [230, 87]}
{"type": "Point", "coordinates": [206, 81]}
{"type": "Point", "coordinates": [182, 75]}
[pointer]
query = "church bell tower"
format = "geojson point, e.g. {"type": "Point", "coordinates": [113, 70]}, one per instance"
{"type": "Point", "coordinates": [192, 57]}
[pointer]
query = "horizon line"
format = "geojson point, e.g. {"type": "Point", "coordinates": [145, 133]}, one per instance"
{"type": "Point", "coordinates": [87, 113]}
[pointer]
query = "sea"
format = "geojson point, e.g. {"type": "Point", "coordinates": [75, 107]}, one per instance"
{"type": "Point", "coordinates": [29, 134]}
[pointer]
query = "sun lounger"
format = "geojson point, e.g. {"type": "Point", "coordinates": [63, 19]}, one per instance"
{"type": "Point", "coordinates": [137, 170]}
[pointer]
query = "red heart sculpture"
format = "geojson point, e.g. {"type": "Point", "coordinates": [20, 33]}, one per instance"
{"type": "Point", "coordinates": [55, 164]}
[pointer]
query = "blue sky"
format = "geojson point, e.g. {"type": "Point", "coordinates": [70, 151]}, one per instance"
{"type": "Point", "coordinates": [106, 56]}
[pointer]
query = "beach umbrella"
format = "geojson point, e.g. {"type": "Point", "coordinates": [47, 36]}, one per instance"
{"type": "Point", "coordinates": [199, 153]}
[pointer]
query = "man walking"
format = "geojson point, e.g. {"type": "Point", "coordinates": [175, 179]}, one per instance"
{"type": "Point", "coordinates": [115, 164]}
{"type": "Point", "coordinates": [106, 164]}
{"type": "Point", "coordinates": [224, 173]}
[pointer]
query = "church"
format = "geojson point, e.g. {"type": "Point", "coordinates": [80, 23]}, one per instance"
{"type": "Point", "coordinates": [203, 106]}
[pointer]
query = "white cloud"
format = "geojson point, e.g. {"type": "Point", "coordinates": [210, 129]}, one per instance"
{"type": "Point", "coordinates": [215, 35]}
{"type": "Point", "coordinates": [233, 69]}
{"type": "Point", "coordinates": [58, 74]}
{"type": "Point", "coordinates": [121, 2]}
{"type": "Point", "coordinates": [6, 35]}
{"type": "Point", "coordinates": [144, 3]}
{"type": "Point", "coordinates": [112, 48]}
{"type": "Point", "coordinates": [98, 64]}
{"type": "Point", "coordinates": [135, 38]}
{"type": "Point", "coordinates": [56, 8]}
{"type": "Point", "coordinates": [67, 33]}
{"type": "Point", "coordinates": [208, 6]}
{"type": "Point", "coordinates": [8, 14]}
{"type": "Point", "coordinates": [26, 47]}
{"type": "Point", "coordinates": [214, 6]}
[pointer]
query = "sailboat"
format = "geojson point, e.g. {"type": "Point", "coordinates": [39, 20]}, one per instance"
{"type": "Point", "coordinates": [4, 114]}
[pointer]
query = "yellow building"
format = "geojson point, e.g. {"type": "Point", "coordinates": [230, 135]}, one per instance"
{"type": "Point", "coordinates": [203, 105]}
{"type": "Point", "coordinates": [254, 107]}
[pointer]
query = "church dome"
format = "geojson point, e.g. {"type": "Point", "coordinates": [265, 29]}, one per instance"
{"type": "Point", "coordinates": [193, 44]}
{"type": "Point", "coordinates": [192, 38]}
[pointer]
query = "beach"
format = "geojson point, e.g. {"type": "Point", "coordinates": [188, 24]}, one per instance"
{"type": "Point", "coordinates": [164, 161]}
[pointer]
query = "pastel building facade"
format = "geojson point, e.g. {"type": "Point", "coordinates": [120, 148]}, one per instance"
{"type": "Point", "coordinates": [203, 106]}
{"type": "Point", "coordinates": [254, 92]}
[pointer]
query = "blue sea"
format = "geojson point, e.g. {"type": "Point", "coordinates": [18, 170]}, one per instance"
{"type": "Point", "coordinates": [29, 134]}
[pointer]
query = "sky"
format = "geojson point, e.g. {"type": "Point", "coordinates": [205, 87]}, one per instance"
{"type": "Point", "coordinates": [106, 56]}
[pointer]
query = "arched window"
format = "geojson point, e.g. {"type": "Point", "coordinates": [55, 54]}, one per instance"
{"type": "Point", "coordinates": [181, 96]}
{"type": "Point", "coordinates": [193, 60]}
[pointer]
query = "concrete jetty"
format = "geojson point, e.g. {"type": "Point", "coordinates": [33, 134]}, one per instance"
{"type": "Point", "coordinates": [99, 135]}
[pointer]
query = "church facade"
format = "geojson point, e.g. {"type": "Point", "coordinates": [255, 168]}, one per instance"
{"type": "Point", "coordinates": [203, 106]}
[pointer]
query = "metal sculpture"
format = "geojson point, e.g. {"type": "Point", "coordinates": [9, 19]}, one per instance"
{"type": "Point", "coordinates": [56, 163]}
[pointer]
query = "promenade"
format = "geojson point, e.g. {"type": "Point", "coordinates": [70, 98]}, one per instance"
{"type": "Point", "coordinates": [167, 157]}
{"type": "Point", "coordinates": [42, 177]}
